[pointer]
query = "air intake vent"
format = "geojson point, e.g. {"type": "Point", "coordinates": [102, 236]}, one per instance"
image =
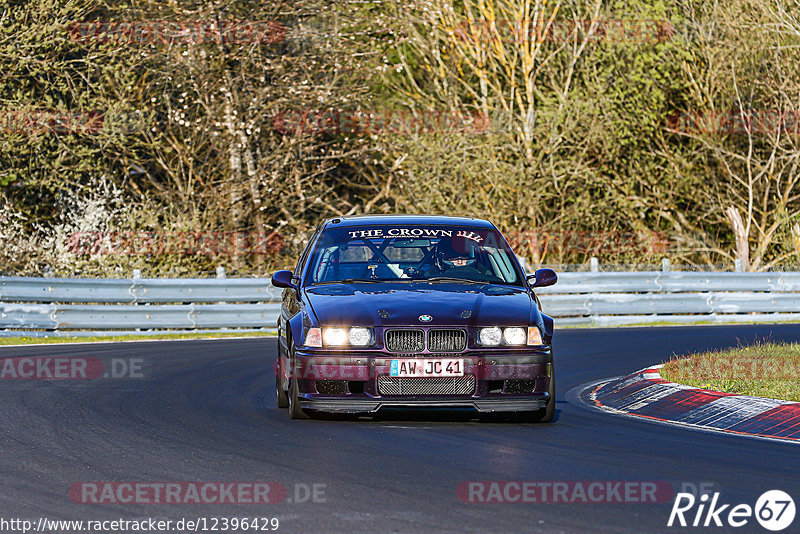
{"type": "Point", "coordinates": [462, 385]}
{"type": "Point", "coordinates": [520, 386]}
{"type": "Point", "coordinates": [332, 387]}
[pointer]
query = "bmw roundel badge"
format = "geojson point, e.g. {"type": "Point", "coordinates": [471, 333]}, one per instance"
{"type": "Point", "coordinates": [425, 318]}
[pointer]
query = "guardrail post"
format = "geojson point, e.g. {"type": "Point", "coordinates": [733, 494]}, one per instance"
{"type": "Point", "coordinates": [594, 265]}
{"type": "Point", "coordinates": [737, 265]}
{"type": "Point", "coordinates": [665, 265]}
{"type": "Point", "coordinates": [220, 275]}
{"type": "Point", "coordinates": [137, 274]}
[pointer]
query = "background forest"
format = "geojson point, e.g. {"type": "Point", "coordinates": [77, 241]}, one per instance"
{"type": "Point", "coordinates": [174, 137]}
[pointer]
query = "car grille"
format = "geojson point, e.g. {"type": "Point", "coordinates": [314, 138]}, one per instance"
{"type": "Point", "coordinates": [410, 341]}
{"type": "Point", "coordinates": [447, 340]}
{"type": "Point", "coordinates": [390, 385]}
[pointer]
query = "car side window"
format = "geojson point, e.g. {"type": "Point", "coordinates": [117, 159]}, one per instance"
{"type": "Point", "coordinates": [325, 263]}
{"type": "Point", "coordinates": [503, 264]}
{"type": "Point", "coordinates": [298, 270]}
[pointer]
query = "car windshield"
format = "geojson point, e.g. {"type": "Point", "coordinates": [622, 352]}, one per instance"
{"type": "Point", "coordinates": [413, 253]}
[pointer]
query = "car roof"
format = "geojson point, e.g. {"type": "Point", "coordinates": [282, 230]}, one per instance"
{"type": "Point", "coordinates": [362, 220]}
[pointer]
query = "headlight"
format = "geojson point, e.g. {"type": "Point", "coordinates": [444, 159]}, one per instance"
{"type": "Point", "coordinates": [334, 337]}
{"type": "Point", "coordinates": [534, 336]}
{"type": "Point", "coordinates": [490, 336]}
{"type": "Point", "coordinates": [313, 337]}
{"type": "Point", "coordinates": [340, 337]}
{"type": "Point", "coordinates": [514, 336]}
{"type": "Point", "coordinates": [360, 337]}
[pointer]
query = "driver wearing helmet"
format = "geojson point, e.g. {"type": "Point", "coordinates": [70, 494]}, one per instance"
{"type": "Point", "coordinates": [457, 258]}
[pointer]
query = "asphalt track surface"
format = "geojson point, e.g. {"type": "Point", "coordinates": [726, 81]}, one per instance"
{"type": "Point", "coordinates": [205, 412]}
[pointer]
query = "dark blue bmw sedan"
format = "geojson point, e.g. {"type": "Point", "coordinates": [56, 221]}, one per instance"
{"type": "Point", "coordinates": [406, 311]}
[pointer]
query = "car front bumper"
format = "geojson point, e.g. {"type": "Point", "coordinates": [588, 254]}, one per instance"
{"type": "Point", "coordinates": [348, 383]}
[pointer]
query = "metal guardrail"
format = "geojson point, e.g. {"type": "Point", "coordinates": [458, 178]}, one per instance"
{"type": "Point", "coordinates": [62, 304]}
{"type": "Point", "coordinates": [121, 317]}
{"type": "Point", "coordinates": [137, 290]}
{"type": "Point", "coordinates": [613, 298]}
{"type": "Point", "coordinates": [579, 298]}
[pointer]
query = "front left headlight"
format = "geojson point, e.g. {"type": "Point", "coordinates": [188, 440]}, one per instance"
{"type": "Point", "coordinates": [334, 337]}
{"type": "Point", "coordinates": [340, 337]}
{"type": "Point", "coordinates": [360, 337]}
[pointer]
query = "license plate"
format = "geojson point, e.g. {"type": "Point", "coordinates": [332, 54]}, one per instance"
{"type": "Point", "coordinates": [426, 367]}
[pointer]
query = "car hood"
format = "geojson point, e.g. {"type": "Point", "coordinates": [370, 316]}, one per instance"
{"type": "Point", "coordinates": [402, 304]}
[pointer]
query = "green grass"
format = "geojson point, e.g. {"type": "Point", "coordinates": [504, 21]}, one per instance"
{"type": "Point", "coordinates": [22, 340]}
{"type": "Point", "coordinates": [761, 370]}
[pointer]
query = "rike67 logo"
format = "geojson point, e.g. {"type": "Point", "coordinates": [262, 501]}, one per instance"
{"type": "Point", "coordinates": [774, 510]}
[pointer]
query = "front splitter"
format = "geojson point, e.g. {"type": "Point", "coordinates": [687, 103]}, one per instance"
{"type": "Point", "coordinates": [517, 404]}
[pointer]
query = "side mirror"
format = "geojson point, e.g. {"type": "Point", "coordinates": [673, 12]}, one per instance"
{"type": "Point", "coordinates": [283, 279]}
{"type": "Point", "coordinates": [543, 278]}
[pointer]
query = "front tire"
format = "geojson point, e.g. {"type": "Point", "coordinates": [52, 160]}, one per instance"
{"type": "Point", "coordinates": [280, 396]}
{"type": "Point", "coordinates": [295, 411]}
{"type": "Point", "coordinates": [550, 409]}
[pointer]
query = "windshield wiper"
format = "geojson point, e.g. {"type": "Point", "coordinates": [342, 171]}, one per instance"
{"type": "Point", "coordinates": [453, 279]}
{"type": "Point", "coordinates": [351, 281]}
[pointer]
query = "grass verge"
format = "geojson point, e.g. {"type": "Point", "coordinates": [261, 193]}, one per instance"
{"type": "Point", "coordinates": [762, 370]}
{"type": "Point", "coordinates": [22, 340]}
